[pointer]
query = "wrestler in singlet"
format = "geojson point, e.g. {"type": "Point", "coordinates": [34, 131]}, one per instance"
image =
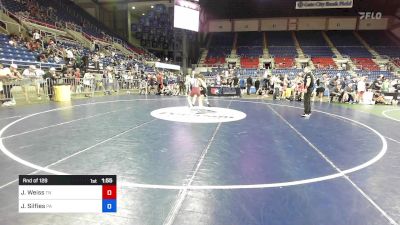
{"type": "Point", "coordinates": [195, 87]}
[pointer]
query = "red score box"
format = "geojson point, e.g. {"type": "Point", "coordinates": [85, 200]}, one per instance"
{"type": "Point", "coordinates": [109, 191]}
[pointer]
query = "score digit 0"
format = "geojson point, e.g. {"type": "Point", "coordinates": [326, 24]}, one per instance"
{"type": "Point", "coordinates": [109, 191]}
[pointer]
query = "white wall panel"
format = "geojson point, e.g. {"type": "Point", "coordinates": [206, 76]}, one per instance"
{"type": "Point", "coordinates": [274, 24]}
{"type": "Point", "coordinates": [311, 23]}
{"type": "Point", "coordinates": [373, 24]}
{"type": "Point", "coordinates": [292, 24]}
{"type": "Point", "coordinates": [220, 26]}
{"type": "Point", "coordinates": [246, 25]}
{"type": "Point", "coordinates": [342, 23]}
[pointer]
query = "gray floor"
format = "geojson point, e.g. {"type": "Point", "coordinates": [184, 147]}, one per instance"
{"type": "Point", "coordinates": [117, 135]}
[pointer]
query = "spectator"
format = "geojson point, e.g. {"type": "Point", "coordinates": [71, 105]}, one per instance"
{"type": "Point", "coordinates": [70, 56]}
{"type": "Point", "coordinates": [218, 80]}
{"type": "Point", "coordinates": [396, 90]}
{"type": "Point", "coordinates": [347, 94]}
{"type": "Point", "coordinates": [96, 61]}
{"type": "Point", "coordinates": [321, 85]}
{"type": "Point", "coordinates": [85, 63]}
{"type": "Point", "coordinates": [235, 81]}
{"type": "Point", "coordinates": [284, 84]}
{"type": "Point", "coordinates": [160, 82]}
{"type": "Point", "coordinates": [29, 78]}
{"type": "Point", "coordinates": [50, 79]}
{"type": "Point", "coordinates": [8, 77]}
{"type": "Point", "coordinates": [276, 82]}
{"type": "Point", "coordinates": [88, 83]}
{"type": "Point", "coordinates": [12, 41]}
{"type": "Point", "coordinates": [361, 88]}
{"type": "Point", "coordinates": [335, 92]}
{"type": "Point", "coordinates": [36, 36]}
{"type": "Point", "coordinates": [249, 83]}
{"type": "Point", "coordinates": [257, 85]}
{"type": "Point", "coordinates": [143, 87]}
{"type": "Point", "coordinates": [377, 84]}
{"type": "Point", "coordinates": [76, 87]}
{"type": "Point", "coordinates": [379, 98]}
{"type": "Point", "coordinates": [385, 85]}
{"type": "Point", "coordinates": [136, 67]}
{"type": "Point", "coordinates": [109, 79]}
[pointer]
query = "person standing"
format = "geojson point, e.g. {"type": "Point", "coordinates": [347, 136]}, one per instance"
{"type": "Point", "coordinates": [276, 83]}
{"type": "Point", "coordinates": [203, 90]}
{"type": "Point", "coordinates": [195, 92]}
{"type": "Point", "coordinates": [160, 83]}
{"type": "Point", "coordinates": [70, 56]}
{"type": "Point", "coordinates": [235, 82]}
{"type": "Point", "coordinates": [218, 80]}
{"type": "Point", "coordinates": [9, 76]}
{"type": "Point", "coordinates": [361, 89]}
{"type": "Point", "coordinates": [136, 68]}
{"type": "Point", "coordinates": [242, 85]}
{"type": "Point", "coordinates": [50, 79]}
{"type": "Point", "coordinates": [187, 84]}
{"type": "Point", "coordinates": [308, 88]}
{"type": "Point", "coordinates": [181, 84]}
{"type": "Point", "coordinates": [321, 84]}
{"type": "Point", "coordinates": [249, 84]}
{"type": "Point", "coordinates": [257, 85]}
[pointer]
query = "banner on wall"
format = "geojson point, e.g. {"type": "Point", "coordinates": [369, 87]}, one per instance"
{"type": "Point", "coordinates": [167, 66]}
{"type": "Point", "coordinates": [329, 4]}
{"type": "Point", "coordinates": [223, 91]}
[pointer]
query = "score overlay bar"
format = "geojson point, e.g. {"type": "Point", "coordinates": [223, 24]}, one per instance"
{"type": "Point", "coordinates": [67, 193]}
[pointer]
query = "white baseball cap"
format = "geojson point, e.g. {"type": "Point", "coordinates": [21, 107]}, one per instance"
{"type": "Point", "coordinates": [14, 66]}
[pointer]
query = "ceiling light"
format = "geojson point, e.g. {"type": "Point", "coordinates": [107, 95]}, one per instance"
{"type": "Point", "coordinates": [152, 6]}
{"type": "Point", "coordinates": [133, 7]}
{"type": "Point", "coordinates": [143, 14]}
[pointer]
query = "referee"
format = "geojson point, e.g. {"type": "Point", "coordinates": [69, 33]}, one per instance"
{"type": "Point", "coordinates": [308, 88]}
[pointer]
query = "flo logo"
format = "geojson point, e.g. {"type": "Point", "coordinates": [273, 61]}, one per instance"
{"type": "Point", "coordinates": [370, 15]}
{"type": "Point", "coordinates": [198, 115]}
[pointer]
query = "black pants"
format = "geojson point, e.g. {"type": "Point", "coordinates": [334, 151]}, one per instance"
{"type": "Point", "coordinates": [7, 92]}
{"type": "Point", "coordinates": [181, 89]}
{"type": "Point", "coordinates": [50, 91]}
{"type": "Point", "coordinates": [307, 102]}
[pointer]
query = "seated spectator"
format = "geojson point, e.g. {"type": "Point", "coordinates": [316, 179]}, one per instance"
{"type": "Point", "coordinates": [347, 95]}
{"type": "Point", "coordinates": [377, 84]}
{"type": "Point", "coordinates": [335, 92]}
{"type": "Point", "coordinates": [29, 45]}
{"type": "Point", "coordinates": [42, 58]}
{"type": "Point", "coordinates": [379, 98]}
{"type": "Point", "coordinates": [13, 40]}
{"type": "Point", "coordinates": [57, 59]}
{"type": "Point", "coordinates": [333, 82]}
